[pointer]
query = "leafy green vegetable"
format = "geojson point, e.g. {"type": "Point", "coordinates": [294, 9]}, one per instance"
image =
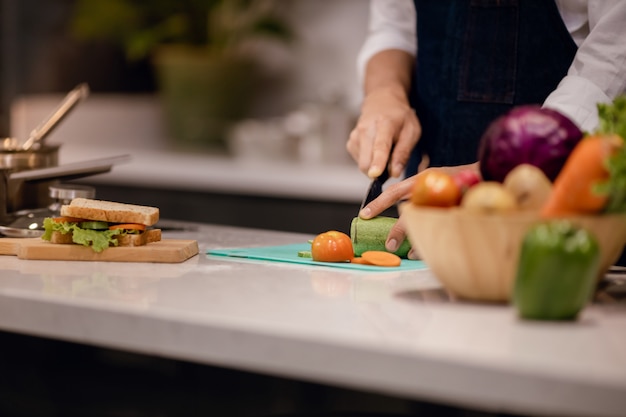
{"type": "Point", "coordinates": [613, 117]}
{"type": "Point", "coordinates": [616, 185]}
{"type": "Point", "coordinates": [51, 226]}
{"type": "Point", "coordinates": [98, 240]}
{"type": "Point", "coordinates": [613, 121]}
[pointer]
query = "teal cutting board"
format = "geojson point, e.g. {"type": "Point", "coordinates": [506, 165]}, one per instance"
{"type": "Point", "coordinates": [289, 254]}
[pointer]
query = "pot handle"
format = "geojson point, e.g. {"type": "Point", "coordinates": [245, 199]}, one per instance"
{"type": "Point", "coordinates": [67, 171]}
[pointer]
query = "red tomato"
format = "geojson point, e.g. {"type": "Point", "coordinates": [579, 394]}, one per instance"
{"type": "Point", "coordinates": [466, 179]}
{"type": "Point", "coordinates": [332, 246]}
{"type": "Point", "coordinates": [435, 188]}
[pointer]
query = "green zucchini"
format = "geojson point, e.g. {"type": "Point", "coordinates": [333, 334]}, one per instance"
{"type": "Point", "coordinates": [371, 235]}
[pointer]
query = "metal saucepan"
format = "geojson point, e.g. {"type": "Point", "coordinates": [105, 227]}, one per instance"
{"type": "Point", "coordinates": [24, 189]}
{"type": "Point", "coordinates": [15, 196]}
{"type": "Point", "coordinates": [33, 154]}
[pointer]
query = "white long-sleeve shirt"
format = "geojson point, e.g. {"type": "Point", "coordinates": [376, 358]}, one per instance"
{"type": "Point", "coordinates": [597, 74]}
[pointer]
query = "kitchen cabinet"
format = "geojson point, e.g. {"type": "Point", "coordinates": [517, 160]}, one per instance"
{"type": "Point", "coordinates": [243, 210]}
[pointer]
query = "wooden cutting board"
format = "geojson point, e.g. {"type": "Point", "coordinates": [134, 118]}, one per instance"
{"type": "Point", "coordinates": [164, 251]}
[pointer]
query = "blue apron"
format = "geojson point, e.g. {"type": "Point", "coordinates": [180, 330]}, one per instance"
{"type": "Point", "coordinates": [477, 59]}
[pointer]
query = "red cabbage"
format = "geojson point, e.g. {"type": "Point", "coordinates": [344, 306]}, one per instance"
{"type": "Point", "coordinates": [527, 134]}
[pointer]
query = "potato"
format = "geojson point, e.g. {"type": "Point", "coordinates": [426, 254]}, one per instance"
{"type": "Point", "coordinates": [489, 197]}
{"type": "Point", "coordinates": [529, 185]}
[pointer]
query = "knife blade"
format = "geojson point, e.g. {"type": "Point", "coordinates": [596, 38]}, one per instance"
{"type": "Point", "coordinates": [375, 188]}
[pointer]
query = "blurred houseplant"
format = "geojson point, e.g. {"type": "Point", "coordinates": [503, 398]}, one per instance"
{"type": "Point", "coordinates": [206, 70]}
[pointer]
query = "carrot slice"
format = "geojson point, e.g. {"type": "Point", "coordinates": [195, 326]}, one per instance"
{"type": "Point", "coordinates": [381, 258]}
{"type": "Point", "coordinates": [66, 219]}
{"type": "Point", "coordinates": [128, 226]}
{"type": "Point", "coordinates": [359, 260]}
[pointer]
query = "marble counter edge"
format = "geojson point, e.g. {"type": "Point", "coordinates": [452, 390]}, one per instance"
{"type": "Point", "coordinates": [295, 356]}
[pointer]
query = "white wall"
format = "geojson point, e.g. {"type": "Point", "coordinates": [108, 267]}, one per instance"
{"type": "Point", "coordinates": [332, 32]}
{"type": "Point", "coordinates": [322, 62]}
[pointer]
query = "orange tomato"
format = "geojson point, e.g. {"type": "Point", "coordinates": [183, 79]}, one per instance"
{"type": "Point", "coordinates": [332, 246]}
{"type": "Point", "coordinates": [435, 188]}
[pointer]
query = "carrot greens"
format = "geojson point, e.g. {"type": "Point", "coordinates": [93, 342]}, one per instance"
{"type": "Point", "coordinates": [613, 121]}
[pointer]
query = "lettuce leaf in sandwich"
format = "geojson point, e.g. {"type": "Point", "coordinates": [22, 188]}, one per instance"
{"type": "Point", "coordinates": [98, 240]}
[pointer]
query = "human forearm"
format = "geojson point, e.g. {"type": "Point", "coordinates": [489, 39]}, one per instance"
{"type": "Point", "coordinates": [391, 70]}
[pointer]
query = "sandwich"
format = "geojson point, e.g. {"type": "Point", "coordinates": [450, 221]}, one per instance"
{"type": "Point", "coordinates": [102, 224]}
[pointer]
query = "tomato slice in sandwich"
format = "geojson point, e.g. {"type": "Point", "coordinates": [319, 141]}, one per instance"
{"type": "Point", "coordinates": [66, 219]}
{"type": "Point", "coordinates": [128, 226]}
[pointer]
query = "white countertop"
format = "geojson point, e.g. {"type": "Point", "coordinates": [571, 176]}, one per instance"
{"type": "Point", "coordinates": [393, 333]}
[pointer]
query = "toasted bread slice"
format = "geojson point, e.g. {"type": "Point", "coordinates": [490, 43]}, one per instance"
{"type": "Point", "coordinates": [109, 211]}
{"type": "Point", "coordinates": [149, 236]}
{"type": "Point", "coordinates": [141, 239]}
{"type": "Point", "coordinates": [63, 238]}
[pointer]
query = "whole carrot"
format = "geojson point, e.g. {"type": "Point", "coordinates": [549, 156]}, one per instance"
{"type": "Point", "coordinates": [574, 190]}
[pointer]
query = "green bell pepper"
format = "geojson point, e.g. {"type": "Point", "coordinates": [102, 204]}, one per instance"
{"type": "Point", "coordinates": [558, 266]}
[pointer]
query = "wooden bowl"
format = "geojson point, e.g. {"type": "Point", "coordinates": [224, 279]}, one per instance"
{"type": "Point", "coordinates": [475, 255]}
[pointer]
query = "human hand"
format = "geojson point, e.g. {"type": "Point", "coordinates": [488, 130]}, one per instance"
{"type": "Point", "coordinates": [387, 120]}
{"type": "Point", "coordinates": [396, 193]}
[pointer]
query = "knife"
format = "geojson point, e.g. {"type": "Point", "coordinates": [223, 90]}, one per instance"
{"type": "Point", "coordinates": [375, 188]}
